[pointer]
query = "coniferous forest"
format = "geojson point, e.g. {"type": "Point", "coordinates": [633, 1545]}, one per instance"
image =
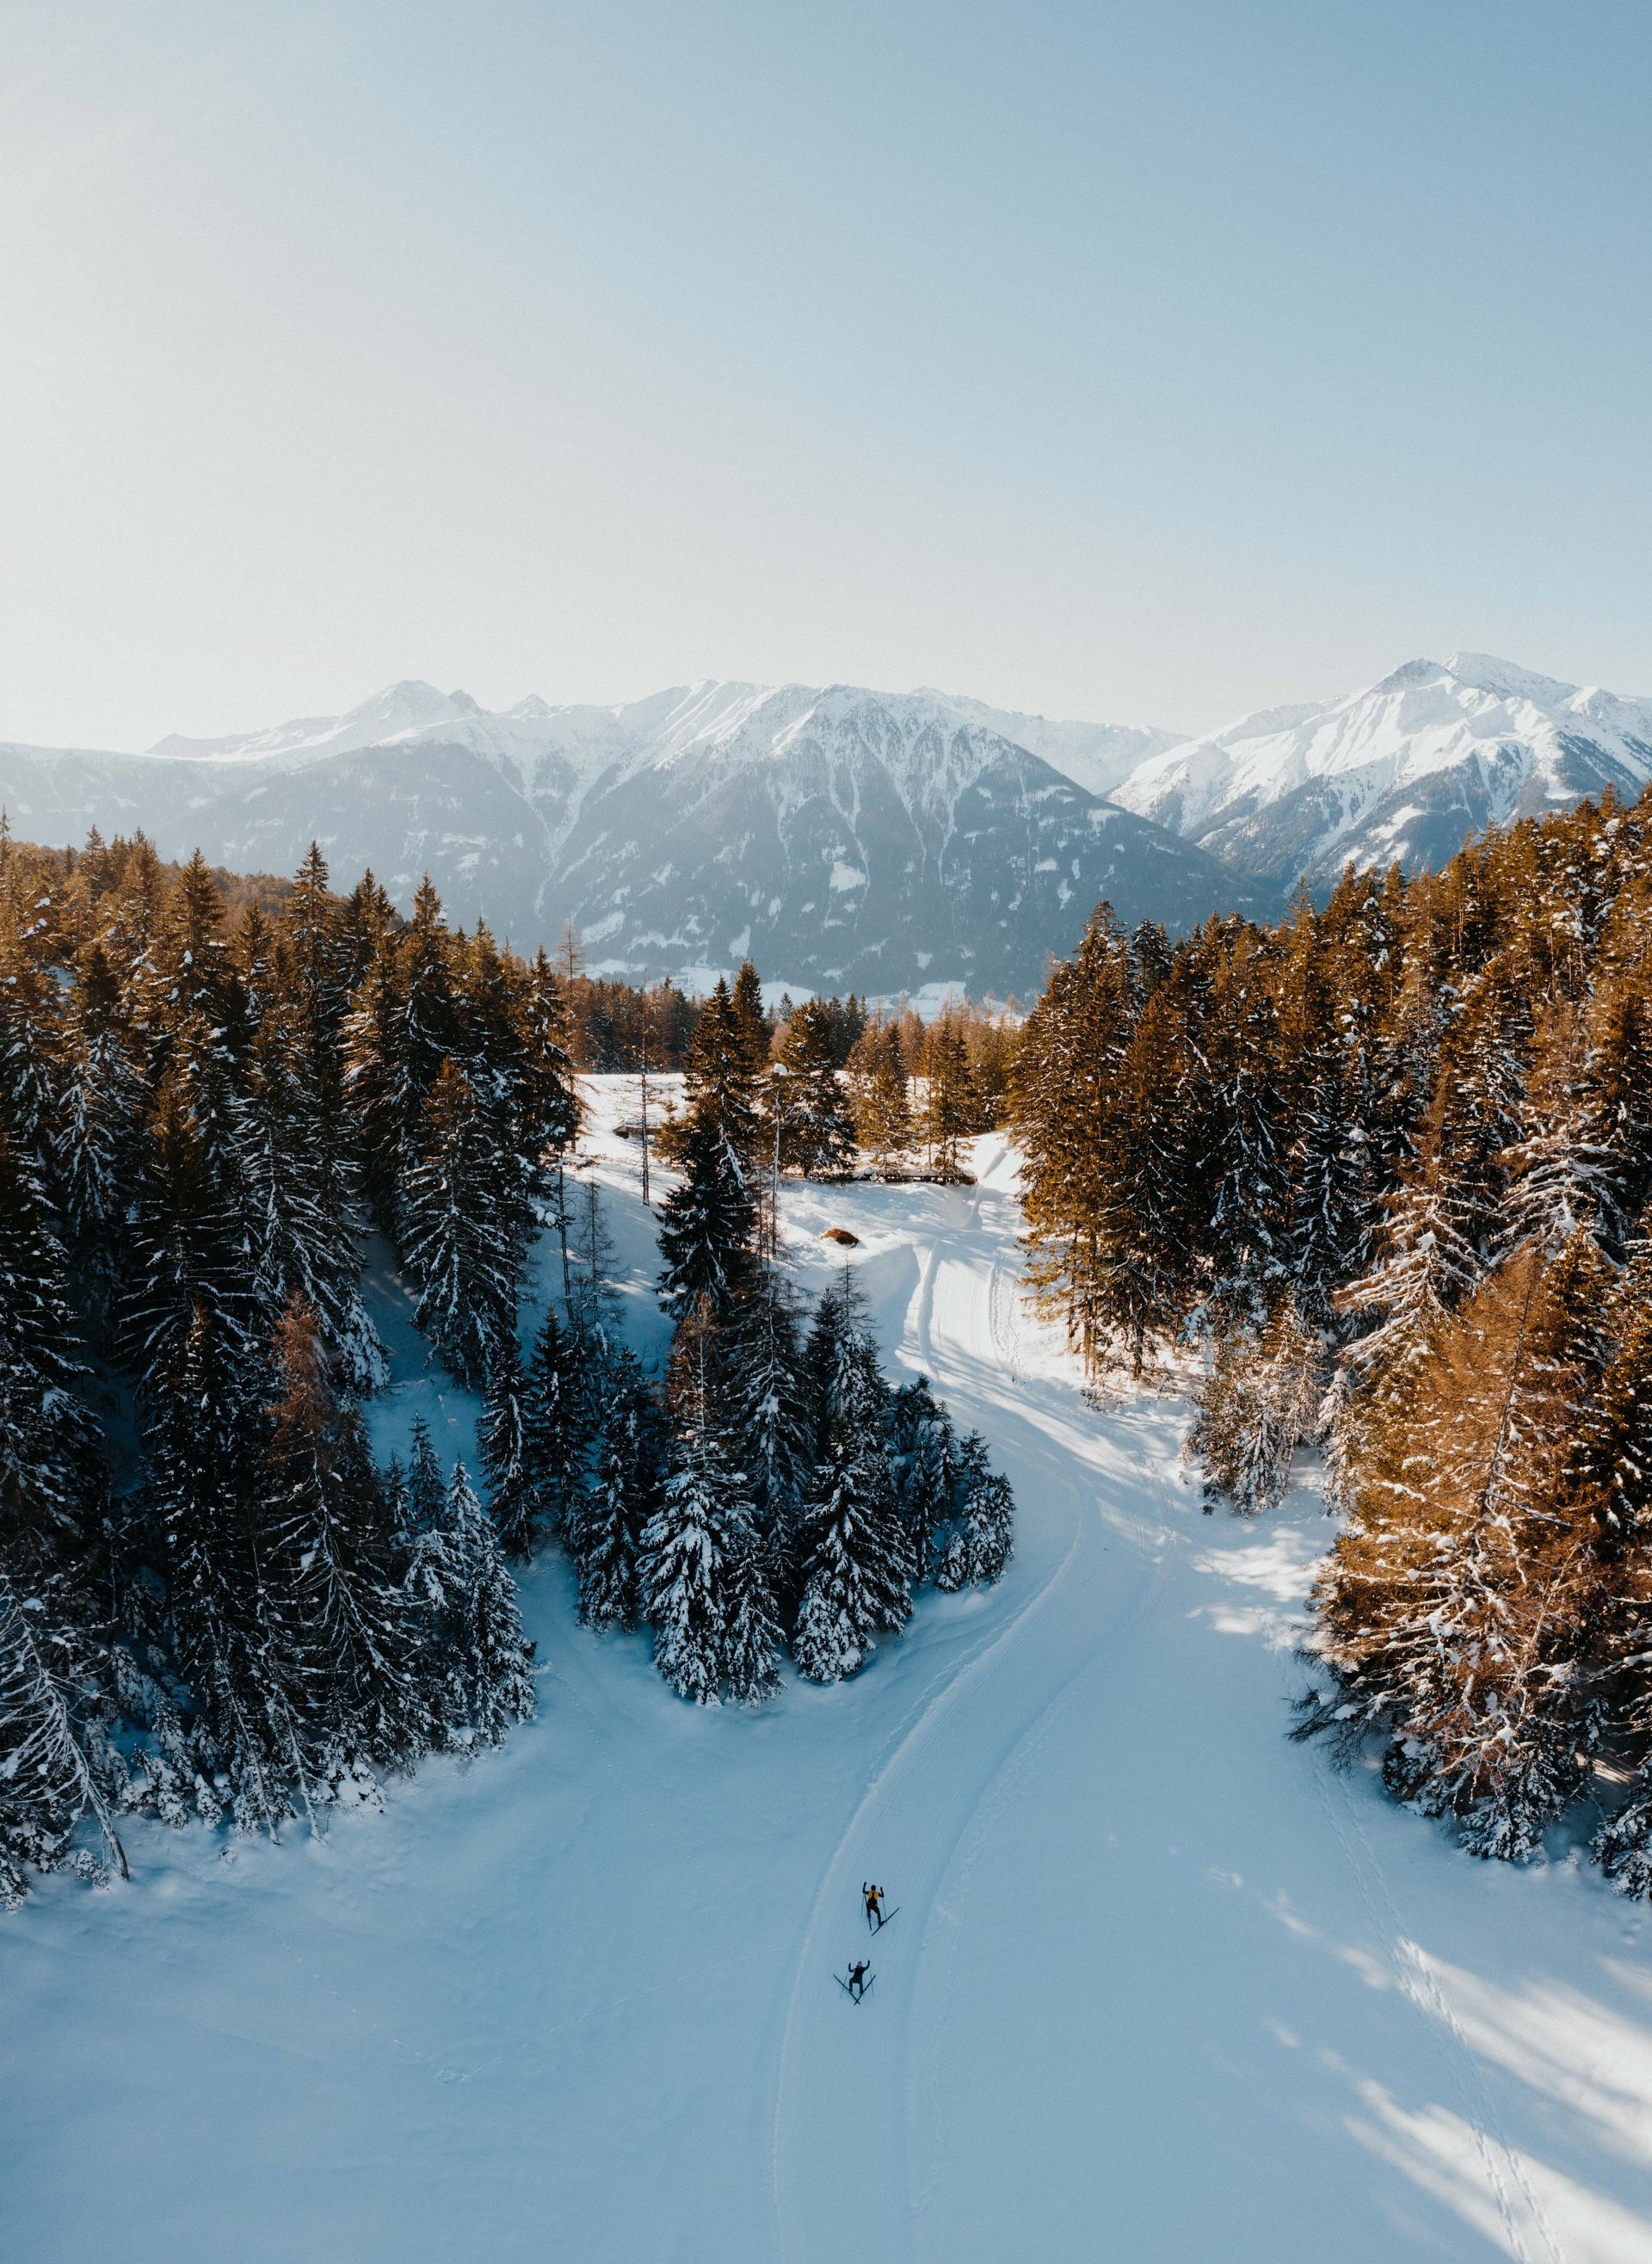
{"type": "Point", "coordinates": [217, 1098]}
{"type": "Point", "coordinates": [1386, 1164]}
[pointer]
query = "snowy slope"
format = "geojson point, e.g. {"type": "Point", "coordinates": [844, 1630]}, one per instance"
{"type": "Point", "coordinates": [846, 839]}
{"type": "Point", "coordinates": [1162, 1987]}
{"type": "Point", "coordinates": [1402, 771]}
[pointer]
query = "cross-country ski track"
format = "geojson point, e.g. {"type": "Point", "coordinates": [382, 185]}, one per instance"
{"type": "Point", "coordinates": [1165, 1988]}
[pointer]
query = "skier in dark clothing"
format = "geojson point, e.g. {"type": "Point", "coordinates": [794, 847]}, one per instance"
{"type": "Point", "coordinates": [874, 1904]}
{"type": "Point", "coordinates": [857, 1979]}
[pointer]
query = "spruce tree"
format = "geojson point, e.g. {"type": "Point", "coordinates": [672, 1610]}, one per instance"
{"type": "Point", "coordinates": [708, 1224]}
{"type": "Point", "coordinates": [606, 1527]}
{"type": "Point", "coordinates": [857, 1559]}
{"type": "Point", "coordinates": [342, 1617]}
{"type": "Point", "coordinates": [817, 1136]}
{"type": "Point", "coordinates": [977, 1546]}
{"type": "Point", "coordinates": [488, 1679]}
{"type": "Point", "coordinates": [769, 1414]}
{"type": "Point", "coordinates": [879, 1095]}
{"type": "Point", "coordinates": [48, 1784]}
{"type": "Point", "coordinates": [503, 1448]}
{"type": "Point", "coordinates": [926, 1468]}
{"type": "Point", "coordinates": [557, 1408]}
{"type": "Point", "coordinates": [50, 1457]}
{"type": "Point", "coordinates": [698, 1555]}
{"type": "Point", "coordinates": [465, 1260]}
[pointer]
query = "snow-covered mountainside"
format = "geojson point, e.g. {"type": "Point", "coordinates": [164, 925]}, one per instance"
{"type": "Point", "coordinates": [1164, 1988]}
{"type": "Point", "coordinates": [1401, 772]}
{"type": "Point", "coordinates": [844, 838]}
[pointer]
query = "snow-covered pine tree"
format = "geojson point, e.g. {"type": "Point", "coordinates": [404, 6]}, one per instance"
{"type": "Point", "coordinates": [1142, 1268]}
{"type": "Point", "coordinates": [1451, 1602]}
{"type": "Point", "coordinates": [51, 1476]}
{"type": "Point", "coordinates": [857, 1559]}
{"type": "Point", "coordinates": [880, 1097]}
{"type": "Point", "coordinates": [926, 1468]}
{"type": "Point", "coordinates": [1259, 1402]}
{"type": "Point", "coordinates": [708, 1222]}
{"type": "Point", "coordinates": [1240, 1112]}
{"type": "Point", "coordinates": [300, 1192]}
{"type": "Point", "coordinates": [343, 1616]}
{"type": "Point", "coordinates": [696, 1540]}
{"type": "Point", "coordinates": [489, 1662]}
{"type": "Point", "coordinates": [187, 1248]}
{"type": "Point", "coordinates": [557, 1411]}
{"type": "Point", "coordinates": [104, 1104]}
{"type": "Point", "coordinates": [47, 1785]}
{"type": "Point", "coordinates": [978, 1542]}
{"type": "Point", "coordinates": [752, 1636]}
{"type": "Point", "coordinates": [606, 1524]}
{"type": "Point", "coordinates": [205, 1445]}
{"type": "Point", "coordinates": [466, 1259]}
{"type": "Point", "coordinates": [721, 1075]}
{"type": "Point", "coordinates": [950, 1112]}
{"type": "Point", "coordinates": [1333, 1214]}
{"type": "Point", "coordinates": [817, 1134]}
{"type": "Point", "coordinates": [501, 1449]}
{"type": "Point", "coordinates": [769, 1415]}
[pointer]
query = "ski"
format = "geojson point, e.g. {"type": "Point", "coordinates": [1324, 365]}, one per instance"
{"type": "Point", "coordinates": [884, 1920]}
{"type": "Point", "coordinates": [850, 1993]}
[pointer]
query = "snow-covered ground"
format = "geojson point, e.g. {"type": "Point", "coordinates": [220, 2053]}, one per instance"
{"type": "Point", "coordinates": [1162, 1987]}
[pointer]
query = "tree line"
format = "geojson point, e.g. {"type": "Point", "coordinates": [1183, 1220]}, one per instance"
{"type": "Point", "coordinates": [1388, 1162]}
{"type": "Point", "coordinates": [214, 1601]}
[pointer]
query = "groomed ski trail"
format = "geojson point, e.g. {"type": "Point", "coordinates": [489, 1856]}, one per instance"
{"type": "Point", "coordinates": [843, 2185]}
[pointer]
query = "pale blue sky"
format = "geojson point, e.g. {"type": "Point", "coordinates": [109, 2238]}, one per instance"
{"type": "Point", "coordinates": [1148, 362]}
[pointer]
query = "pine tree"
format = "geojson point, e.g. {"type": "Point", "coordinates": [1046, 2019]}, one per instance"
{"type": "Point", "coordinates": [556, 1429]}
{"type": "Point", "coordinates": [977, 1547]}
{"type": "Point", "coordinates": [464, 1260]}
{"type": "Point", "coordinates": [342, 1617]}
{"type": "Point", "coordinates": [1257, 1405]}
{"type": "Point", "coordinates": [926, 1468]}
{"type": "Point", "coordinates": [104, 1107]}
{"type": "Point", "coordinates": [300, 1190]}
{"type": "Point", "coordinates": [856, 1558]}
{"type": "Point", "coordinates": [817, 1135]}
{"type": "Point", "coordinates": [752, 1636]}
{"type": "Point", "coordinates": [188, 1249]}
{"type": "Point", "coordinates": [878, 1095]}
{"type": "Point", "coordinates": [467, 1592]}
{"type": "Point", "coordinates": [608, 1522]}
{"type": "Point", "coordinates": [50, 1459]}
{"type": "Point", "coordinates": [950, 1111]}
{"type": "Point", "coordinates": [708, 1224]}
{"type": "Point", "coordinates": [769, 1414]}
{"type": "Point", "coordinates": [750, 1018]}
{"type": "Point", "coordinates": [46, 1782]}
{"type": "Point", "coordinates": [701, 1534]}
{"type": "Point", "coordinates": [204, 1453]}
{"type": "Point", "coordinates": [502, 1445]}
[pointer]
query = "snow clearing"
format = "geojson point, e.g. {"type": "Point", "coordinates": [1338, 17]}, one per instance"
{"type": "Point", "coordinates": [1165, 1987]}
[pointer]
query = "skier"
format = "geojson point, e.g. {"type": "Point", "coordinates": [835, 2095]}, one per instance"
{"type": "Point", "coordinates": [857, 1979]}
{"type": "Point", "coordinates": [874, 1905]}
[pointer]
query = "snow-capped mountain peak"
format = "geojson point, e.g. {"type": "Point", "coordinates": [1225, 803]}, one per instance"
{"type": "Point", "coordinates": [1401, 769]}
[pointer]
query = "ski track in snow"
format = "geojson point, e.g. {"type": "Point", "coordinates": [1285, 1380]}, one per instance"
{"type": "Point", "coordinates": [1164, 1988]}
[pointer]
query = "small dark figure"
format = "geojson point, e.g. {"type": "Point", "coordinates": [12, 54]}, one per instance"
{"type": "Point", "coordinates": [874, 1904]}
{"type": "Point", "coordinates": [858, 1978]}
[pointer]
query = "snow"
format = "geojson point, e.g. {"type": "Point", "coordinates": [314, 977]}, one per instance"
{"type": "Point", "coordinates": [1423, 719]}
{"type": "Point", "coordinates": [1162, 1986]}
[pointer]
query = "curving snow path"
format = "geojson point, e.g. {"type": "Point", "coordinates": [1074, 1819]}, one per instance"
{"type": "Point", "coordinates": [1162, 1986]}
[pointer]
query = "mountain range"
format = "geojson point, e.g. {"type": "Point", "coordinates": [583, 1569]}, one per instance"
{"type": "Point", "coordinates": [845, 837]}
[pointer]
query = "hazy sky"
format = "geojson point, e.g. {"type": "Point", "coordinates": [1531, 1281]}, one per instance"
{"type": "Point", "coordinates": [1147, 362]}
